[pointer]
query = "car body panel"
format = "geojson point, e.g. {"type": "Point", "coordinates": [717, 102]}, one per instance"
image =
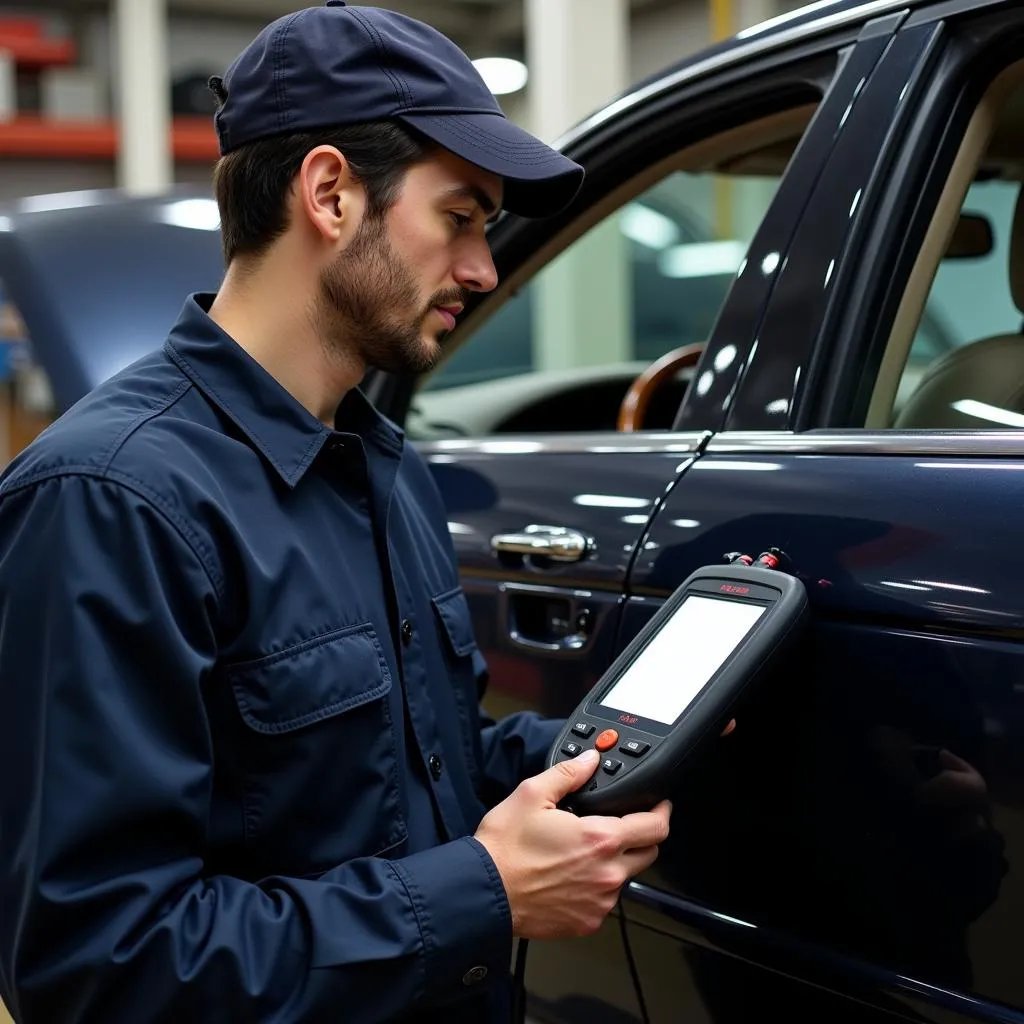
{"type": "Point", "coordinates": [527, 612]}
{"type": "Point", "coordinates": [812, 819]}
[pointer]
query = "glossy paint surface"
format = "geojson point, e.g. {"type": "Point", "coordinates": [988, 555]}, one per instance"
{"type": "Point", "coordinates": [870, 805]}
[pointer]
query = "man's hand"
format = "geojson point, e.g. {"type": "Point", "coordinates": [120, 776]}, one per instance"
{"type": "Point", "coordinates": [562, 873]}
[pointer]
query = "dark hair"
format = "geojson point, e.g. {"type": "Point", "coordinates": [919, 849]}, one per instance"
{"type": "Point", "coordinates": [252, 182]}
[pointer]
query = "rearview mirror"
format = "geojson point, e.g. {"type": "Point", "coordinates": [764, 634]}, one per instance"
{"type": "Point", "coordinates": [972, 237]}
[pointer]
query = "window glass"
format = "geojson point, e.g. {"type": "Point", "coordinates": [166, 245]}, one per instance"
{"type": "Point", "coordinates": [561, 354]}
{"type": "Point", "coordinates": [970, 301]}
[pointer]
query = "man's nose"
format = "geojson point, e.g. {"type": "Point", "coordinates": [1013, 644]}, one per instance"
{"type": "Point", "coordinates": [477, 271]}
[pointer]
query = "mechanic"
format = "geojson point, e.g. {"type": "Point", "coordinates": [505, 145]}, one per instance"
{"type": "Point", "coordinates": [243, 770]}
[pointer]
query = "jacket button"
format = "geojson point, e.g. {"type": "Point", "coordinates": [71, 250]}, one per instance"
{"type": "Point", "coordinates": [436, 766]}
{"type": "Point", "coordinates": [406, 632]}
{"type": "Point", "coordinates": [474, 976]}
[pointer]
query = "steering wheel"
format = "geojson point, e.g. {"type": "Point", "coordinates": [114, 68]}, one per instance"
{"type": "Point", "coordinates": [641, 391]}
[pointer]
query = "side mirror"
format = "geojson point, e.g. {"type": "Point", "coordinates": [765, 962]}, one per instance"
{"type": "Point", "coordinates": [972, 237]}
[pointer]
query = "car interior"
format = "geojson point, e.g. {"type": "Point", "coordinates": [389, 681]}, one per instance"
{"type": "Point", "coordinates": [979, 383]}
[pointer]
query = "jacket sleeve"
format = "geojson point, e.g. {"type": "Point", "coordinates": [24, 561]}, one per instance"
{"type": "Point", "coordinates": [108, 633]}
{"type": "Point", "coordinates": [514, 748]}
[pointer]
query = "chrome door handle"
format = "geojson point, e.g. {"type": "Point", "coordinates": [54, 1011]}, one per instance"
{"type": "Point", "coordinates": [558, 543]}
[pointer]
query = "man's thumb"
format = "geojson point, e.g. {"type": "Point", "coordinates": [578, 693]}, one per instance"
{"type": "Point", "coordinates": [567, 776]}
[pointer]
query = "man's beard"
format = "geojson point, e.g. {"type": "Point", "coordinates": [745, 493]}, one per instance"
{"type": "Point", "coordinates": [368, 301]}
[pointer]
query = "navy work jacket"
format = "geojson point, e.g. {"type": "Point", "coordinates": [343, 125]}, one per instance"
{"type": "Point", "coordinates": [241, 752]}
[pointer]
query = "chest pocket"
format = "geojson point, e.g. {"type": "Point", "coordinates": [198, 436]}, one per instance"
{"type": "Point", "coordinates": [317, 754]}
{"type": "Point", "coordinates": [466, 669]}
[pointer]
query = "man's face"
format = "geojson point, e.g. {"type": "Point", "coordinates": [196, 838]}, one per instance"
{"type": "Point", "coordinates": [394, 292]}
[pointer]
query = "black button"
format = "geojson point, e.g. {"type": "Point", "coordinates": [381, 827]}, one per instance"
{"type": "Point", "coordinates": [474, 976]}
{"type": "Point", "coordinates": [635, 748]}
{"type": "Point", "coordinates": [572, 749]}
{"type": "Point", "coordinates": [406, 632]}
{"type": "Point", "coordinates": [584, 729]}
{"type": "Point", "coordinates": [436, 766]}
{"type": "Point", "coordinates": [611, 766]}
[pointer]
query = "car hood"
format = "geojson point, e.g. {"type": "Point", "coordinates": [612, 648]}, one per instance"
{"type": "Point", "coordinates": [99, 279]}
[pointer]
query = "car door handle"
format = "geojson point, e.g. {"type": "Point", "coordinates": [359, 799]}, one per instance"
{"type": "Point", "coordinates": [558, 543]}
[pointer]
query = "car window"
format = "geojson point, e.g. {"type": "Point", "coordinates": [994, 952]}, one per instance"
{"type": "Point", "coordinates": [955, 355]}
{"type": "Point", "coordinates": [649, 278]}
{"type": "Point", "coordinates": [970, 299]}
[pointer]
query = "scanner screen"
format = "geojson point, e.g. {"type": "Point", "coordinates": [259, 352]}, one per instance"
{"type": "Point", "coordinates": [682, 656]}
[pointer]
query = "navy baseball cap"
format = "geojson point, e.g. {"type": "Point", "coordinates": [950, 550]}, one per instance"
{"type": "Point", "coordinates": [334, 65]}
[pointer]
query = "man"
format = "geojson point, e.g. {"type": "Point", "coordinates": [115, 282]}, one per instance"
{"type": "Point", "coordinates": [244, 774]}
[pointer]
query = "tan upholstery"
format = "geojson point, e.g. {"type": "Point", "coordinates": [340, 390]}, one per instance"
{"type": "Point", "coordinates": [986, 373]}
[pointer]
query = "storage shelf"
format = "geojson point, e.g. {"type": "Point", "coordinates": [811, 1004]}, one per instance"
{"type": "Point", "coordinates": [193, 139]}
{"type": "Point", "coordinates": [24, 40]}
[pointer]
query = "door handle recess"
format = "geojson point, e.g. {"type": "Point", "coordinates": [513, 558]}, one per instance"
{"type": "Point", "coordinates": [558, 543]}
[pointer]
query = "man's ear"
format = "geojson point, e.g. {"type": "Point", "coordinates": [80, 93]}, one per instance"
{"type": "Point", "coordinates": [329, 194]}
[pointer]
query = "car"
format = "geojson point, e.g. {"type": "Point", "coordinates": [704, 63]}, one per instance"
{"type": "Point", "coordinates": [784, 312]}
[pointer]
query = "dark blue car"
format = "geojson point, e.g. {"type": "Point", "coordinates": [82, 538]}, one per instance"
{"type": "Point", "coordinates": [785, 311]}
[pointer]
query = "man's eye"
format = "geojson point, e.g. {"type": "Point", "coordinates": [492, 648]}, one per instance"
{"type": "Point", "coordinates": [461, 220]}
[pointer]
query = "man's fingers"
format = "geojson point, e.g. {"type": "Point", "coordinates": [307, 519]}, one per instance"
{"type": "Point", "coordinates": [565, 777]}
{"type": "Point", "coordinates": [646, 828]}
{"type": "Point", "coordinates": [637, 861]}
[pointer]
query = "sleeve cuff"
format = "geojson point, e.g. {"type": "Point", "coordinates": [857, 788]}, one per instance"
{"type": "Point", "coordinates": [463, 915]}
{"type": "Point", "coordinates": [546, 732]}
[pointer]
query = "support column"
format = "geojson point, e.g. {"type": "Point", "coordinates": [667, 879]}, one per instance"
{"type": "Point", "coordinates": [145, 164]}
{"type": "Point", "coordinates": [577, 52]}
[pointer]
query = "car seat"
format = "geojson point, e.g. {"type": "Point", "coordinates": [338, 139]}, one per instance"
{"type": "Point", "coordinates": [989, 372]}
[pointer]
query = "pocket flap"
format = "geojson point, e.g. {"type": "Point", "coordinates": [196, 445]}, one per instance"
{"type": "Point", "coordinates": [453, 612]}
{"type": "Point", "coordinates": [311, 681]}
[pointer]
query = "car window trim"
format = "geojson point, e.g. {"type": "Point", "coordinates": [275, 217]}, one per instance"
{"type": "Point", "coordinates": [596, 442]}
{"type": "Point", "coordinates": [857, 441]}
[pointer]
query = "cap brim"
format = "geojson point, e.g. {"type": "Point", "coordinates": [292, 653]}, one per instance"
{"type": "Point", "coordinates": [539, 181]}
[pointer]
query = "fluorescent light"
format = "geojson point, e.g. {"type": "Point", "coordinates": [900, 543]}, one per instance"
{"type": "Point", "coordinates": [648, 227]}
{"type": "Point", "coordinates": [783, 19]}
{"type": "Point", "coordinates": [742, 467]}
{"type": "Point", "coordinates": [951, 586]}
{"type": "Point", "coordinates": [60, 201]}
{"type": "Point", "coordinates": [724, 358]}
{"type": "Point", "coordinates": [197, 214]}
{"type": "Point", "coordinates": [502, 75]}
{"type": "Point", "coordinates": [510, 447]}
{"type": "Point", "coordinates": [610, 502]}
{"type": "Point", "coordinates": [702, 259]}
{"type": "Point", "coordinates": [990, 413]}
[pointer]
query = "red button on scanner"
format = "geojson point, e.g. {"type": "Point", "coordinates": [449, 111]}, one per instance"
{"type": "Point", "coordinates": [607, 740]}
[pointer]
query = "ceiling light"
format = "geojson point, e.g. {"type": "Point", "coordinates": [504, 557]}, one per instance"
{"type": "Point", "coordinates": [702, 259]}
{"type": "Point", "coordinates": [990, 413]}
{"type": "Point", "coordinates": [197, 214]}
{"type": "Point", "coordinates": [501, 74]}
{"type": "Point", "coordinates": [648, 227]}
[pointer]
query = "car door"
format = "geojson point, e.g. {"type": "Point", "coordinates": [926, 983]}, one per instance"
{"type": "Point", "coordinates": [548, 503]}
{"type": "Point", "coordinates": [860, 829]}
